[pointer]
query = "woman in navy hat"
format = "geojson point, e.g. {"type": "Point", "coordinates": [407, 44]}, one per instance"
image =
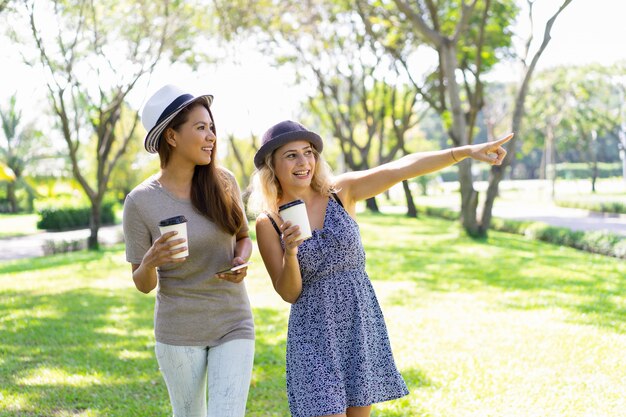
{"type": "Point", "coordinates": [339, 360]}
{"type": "Point", "coordinates": [203, 323]}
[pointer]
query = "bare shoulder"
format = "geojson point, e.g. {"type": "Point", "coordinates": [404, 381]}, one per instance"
{"type": "Point", "coordinates": [344, 179]}
{"type": "Point", "coordinates": [348, 180]}
{"type": "Point", "coordinates": [343, 182]}
{"type": "Point", "coordinates": [345, 186]}
{"type": "Point", "coordinates": [267, 237]}
{"type": "Point", "coordinates": [262, 220]}
{"type": "Point", "coordinates": [263, 223]}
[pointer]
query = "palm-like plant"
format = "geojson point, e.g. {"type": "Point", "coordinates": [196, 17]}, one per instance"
{"type": "Point", "coordinates": [19, 149]}
{"type": "Point", "coordinates": [6, 173]}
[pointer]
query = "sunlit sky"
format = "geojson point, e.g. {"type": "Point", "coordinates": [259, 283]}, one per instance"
{"type": "Point", "coordinates": [252, 95]}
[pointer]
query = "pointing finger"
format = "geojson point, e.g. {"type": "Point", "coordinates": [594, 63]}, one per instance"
{"type": "Point", "coordinates": [503, 139]}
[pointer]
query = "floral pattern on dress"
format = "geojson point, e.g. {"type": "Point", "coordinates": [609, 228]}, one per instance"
{"type": "Point", "coordinates": [338, 351]}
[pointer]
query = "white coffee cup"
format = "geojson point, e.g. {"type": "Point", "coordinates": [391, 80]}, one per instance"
{"type": "Point", "coordinates": [295, 212]}
{"type": "Point", "coordinates": [179, 224]}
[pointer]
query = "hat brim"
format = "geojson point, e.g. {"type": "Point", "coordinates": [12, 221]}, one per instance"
{"type": "Point", "coordinates": [151, 142]}
{"type": "Point", "coordinates": [280, 140]}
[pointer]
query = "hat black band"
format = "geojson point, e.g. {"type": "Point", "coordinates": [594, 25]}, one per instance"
{"type": "Point", "coordinates": [173, 106]}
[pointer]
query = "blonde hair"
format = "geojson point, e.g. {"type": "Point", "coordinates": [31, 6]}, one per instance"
{"type": "Point", "coordinates": [266, 190]}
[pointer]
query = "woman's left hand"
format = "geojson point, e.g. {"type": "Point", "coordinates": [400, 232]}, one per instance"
{"type": "Point", "coordinates": [235, 276]}
{"type": "Point", "coordinates": [491, 152]}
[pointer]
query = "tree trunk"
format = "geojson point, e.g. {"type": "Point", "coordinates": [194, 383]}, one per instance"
{"type": "Point", "coordinates": [13, 207]}
{"type": "Point", "coordinates": [497, 173]}
{"type": "Point", "coordinates": [469, 200]}
{"type": "Point", "coordinates": [495, 176]}
{"type": "Point", "coordinates": [594, 160]}
{"type": "Point", "coordinates": [594, 177]}
{"type": "Point", "coordinates": [550, 160]}
{"type": "Point", "coordinates": [371, 205]}
{"type": "Point", "coordinates": [411, 210]}
{"type": "Point", "coordinates": [622, 152]}
{"type": "Point", "coordinates": [94, 225]}
{"type": "Point", "coordinates": [469, 196]}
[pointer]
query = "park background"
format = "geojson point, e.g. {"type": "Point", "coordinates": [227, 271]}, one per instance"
{"type": "Point", "coordinates": [488, 316]}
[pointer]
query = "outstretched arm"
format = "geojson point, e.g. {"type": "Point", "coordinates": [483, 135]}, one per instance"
{"type": "Point", "coordinates": [360, 185]}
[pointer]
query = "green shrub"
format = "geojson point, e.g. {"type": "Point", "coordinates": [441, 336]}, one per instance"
{"type": "Point", "coordinates": [599, 242]}
{"type": "Point", "coordinates": [620, 249]}
{"type": "Point", "coordinates": [603, 207]}
{"type": "Point", "coordinates": [64, 217]}
{"type": "Point", "coordinates": [451, 174]}
{"type": "Point", "coordinates": [581, 170]}
{"type": "Point", "coordinates": [517, 227]}
{"type": "Point", "coordinates": [52, 247]}
{"type": "Point", "coordinates": [557, 235]}
{"type": "Point", "coordinates": [441, 212]}
{"type": "Point", "coordinates": [604, 243]}
{"type": "Point", "coordinates": [567, 170]}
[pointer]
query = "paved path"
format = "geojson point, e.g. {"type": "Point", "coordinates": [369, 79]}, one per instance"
{"type": "Point", "coordinates": [575, 219]}
{"type": "Point", "coordinates": [33, 245]}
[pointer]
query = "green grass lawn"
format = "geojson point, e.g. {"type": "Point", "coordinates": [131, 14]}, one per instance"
{"type": "Point", "coordinates": [502, 327]}
{"type": "Point", "coordinates": [12, 225]}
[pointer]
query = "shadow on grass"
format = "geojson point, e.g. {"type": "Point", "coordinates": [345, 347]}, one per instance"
{"type": "Point", "coordinates": [93, 350]}
{"type": "Point", "coordinates": [405, 406]}
{"type": "Point", "coordinates": [417, 379]}
{"type": "Point", "coordinates": [435, 255]}
{"type": "Point", "coordinates": [79, 350]}
{"type": "Point", "coordinates": [87, 349]}
{"type": "Point", "coordinates": [268, 391]}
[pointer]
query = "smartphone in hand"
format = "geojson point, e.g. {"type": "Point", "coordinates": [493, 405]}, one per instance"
{"type": "Point", "coordinates": [233, 269]}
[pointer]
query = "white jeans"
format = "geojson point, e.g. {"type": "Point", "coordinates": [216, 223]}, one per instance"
{"type": "Point", "coordinates": [229, 369]}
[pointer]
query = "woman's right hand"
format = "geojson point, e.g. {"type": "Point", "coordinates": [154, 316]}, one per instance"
{"type": "Point", "coordinates": [161, 252]}
{"type": "Point", "coordinates": [290, 235]}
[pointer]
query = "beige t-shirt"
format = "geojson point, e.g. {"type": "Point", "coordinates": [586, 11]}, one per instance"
{"type": "Point", "coordinates": [192, 308]}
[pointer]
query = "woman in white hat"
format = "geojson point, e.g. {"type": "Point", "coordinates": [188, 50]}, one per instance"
{"type": "Point", "coordinates": [203, 323]}
{"type": "Point", "coordinates": [339, 360]}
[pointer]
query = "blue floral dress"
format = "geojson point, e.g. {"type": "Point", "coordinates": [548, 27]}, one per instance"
{"type": "Point", "coordinates": [338, 352]}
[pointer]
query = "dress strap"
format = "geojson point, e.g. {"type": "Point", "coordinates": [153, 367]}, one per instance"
{"type": "Point", "coordinates": [273, 223]}
{"type": "Point", "coordinates": [336, 197]}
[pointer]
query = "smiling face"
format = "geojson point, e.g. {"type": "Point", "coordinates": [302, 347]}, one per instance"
{"type": "Point", "coordinates": [193, 140]}
{"type": "Point", "coordinates": [294, 164]}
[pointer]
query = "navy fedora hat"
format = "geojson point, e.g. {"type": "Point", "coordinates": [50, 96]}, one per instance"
{"type": "Point", "coordinates": [282, 133]}
{"type": "Point", "coordinates": [161, 108]}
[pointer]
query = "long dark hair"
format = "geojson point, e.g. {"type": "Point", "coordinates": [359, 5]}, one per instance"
{"type": "Point", "coordinates": [213, 193]}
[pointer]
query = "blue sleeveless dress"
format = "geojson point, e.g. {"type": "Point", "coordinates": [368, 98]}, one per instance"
{"type": "Point", "coordinates": [338, 352]}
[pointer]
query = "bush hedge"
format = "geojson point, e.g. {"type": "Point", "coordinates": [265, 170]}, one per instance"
{"type": "Point", "coordinates": [442, 212]}
{"type": "Point", "coordinates": [451, 174]}
{"type": "Point", "coordinates": [616, 207]}
{"type": "Point", "coordinates": [601, 242]}
{"type": "Point", "coordinates": [65, 217]}
{"type": "Point", "coordinates": [52, 247]}
{"type": "Point", "coordinates": [580, 171]}
{"type": "Point", "coordinates": [566, 170]}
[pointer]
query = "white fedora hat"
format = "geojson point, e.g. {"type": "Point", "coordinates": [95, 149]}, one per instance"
{"type": "Point", "coordinates": [161, 108]}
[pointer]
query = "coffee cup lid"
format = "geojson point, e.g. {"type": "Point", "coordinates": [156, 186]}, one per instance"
{"type": "Point", "coordinates": [290, 204]}
{"type": "Point", "coordinates": [172, 220]}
